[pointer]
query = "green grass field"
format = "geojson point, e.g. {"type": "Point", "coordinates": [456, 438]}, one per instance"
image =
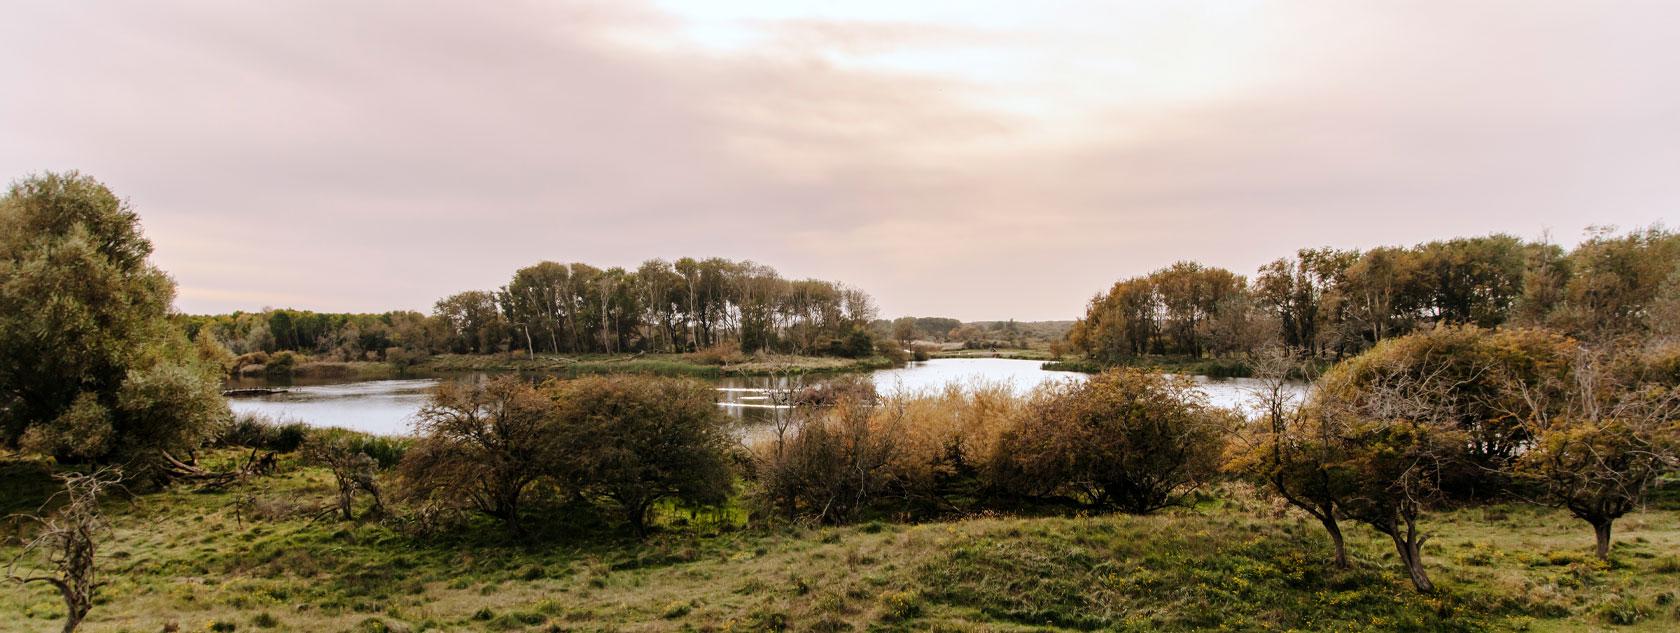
{"type": "Point", "coordinates": [254, 559]}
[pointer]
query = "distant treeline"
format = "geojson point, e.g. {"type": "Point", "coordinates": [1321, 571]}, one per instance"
{"type": "Point", "coordinates": [1334, 303]}
{"type": "Point", "coordinates": [549, 307]}
{"type": "Point", "coordinates": [1011, 333]}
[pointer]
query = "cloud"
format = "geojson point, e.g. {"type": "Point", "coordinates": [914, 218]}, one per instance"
{"type": "Point", "coordinates": [974, 161]}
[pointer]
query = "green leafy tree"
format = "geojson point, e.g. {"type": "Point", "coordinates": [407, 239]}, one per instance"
{"type": "Point", "coordinates": [91, 365]}
{"type": "Point", "coordinates": [637, 440]}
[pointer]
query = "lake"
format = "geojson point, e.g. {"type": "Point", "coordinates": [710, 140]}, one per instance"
{"type": "Point", "coordinates": [387, 406]}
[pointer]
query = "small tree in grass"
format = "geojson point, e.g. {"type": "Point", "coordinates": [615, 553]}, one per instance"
{"type": "Point", "coordinates": [1292, 452]}
{"type": "Point", "coordinates": [1615, 439]}
{"type": "Point", "coordinates": [353, 471]}
{"type": "Point", "coordinates": [63, 554]}
{"type": "Point", "coordinates": [1395, 428]}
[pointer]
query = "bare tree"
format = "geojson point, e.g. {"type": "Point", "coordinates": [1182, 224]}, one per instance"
{"type": "Point", "coordinates": [482, 447]}
{"type": "Point", "coordinates": [353, 471]}
{"type": "Point", "coordinates": [64, 552]}
{"type": "Point", "coordinates": [1292, 452]}
{"type": "Point", "coordinates": [784, 386]}
{"type": "Point", "coordinates": [827, 460]}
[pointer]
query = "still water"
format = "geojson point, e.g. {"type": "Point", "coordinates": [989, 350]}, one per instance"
{"type": "Point", "coordinates": [388, 406]}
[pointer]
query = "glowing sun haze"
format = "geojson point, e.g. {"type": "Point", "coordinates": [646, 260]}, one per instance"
{"type": "Point", "coordinates": [966, 159]}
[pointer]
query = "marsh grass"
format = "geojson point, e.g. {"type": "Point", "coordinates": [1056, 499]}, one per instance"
{"type": "Point", "coordinates": [1231, 561]}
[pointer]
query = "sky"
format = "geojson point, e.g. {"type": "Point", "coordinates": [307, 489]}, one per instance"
{"type": "Point", "coordinates": [978, 160]}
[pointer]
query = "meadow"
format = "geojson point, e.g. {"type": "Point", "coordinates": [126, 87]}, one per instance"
{"type": "Point", "coordinates": [260, 556]}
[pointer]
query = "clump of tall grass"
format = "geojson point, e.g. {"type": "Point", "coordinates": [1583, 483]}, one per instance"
{"type": "Point", "coordinates": [254, 430]}
{"type": "Point", "coordinates": [386, 450]}
{"type": "Point", "coordinates": [849, 453]}
{"type": "Point", "coordinates": [720, 354]}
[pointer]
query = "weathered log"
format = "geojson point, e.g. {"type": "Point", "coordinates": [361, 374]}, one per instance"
{"type": "Point", "coordinates": [189, 470]}
{"type": "Point", "coordinates": [252, 391]}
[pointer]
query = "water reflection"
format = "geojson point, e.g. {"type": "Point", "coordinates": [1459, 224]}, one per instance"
{"type": "Point", "coordinates": [385, 407]}
{"type": "Point", "coordinates": [388, 406]}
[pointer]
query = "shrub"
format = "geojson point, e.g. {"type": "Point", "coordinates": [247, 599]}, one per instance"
{"type": "Point", "coordinates": [1127, 438]}
{"type": "Point", "coordinates": [833, 466]}
{"type": "Point", "coordinates": [253, 360]}
{"type": "Point", "coordinates": [721, 354]}
{"type": "Point", "coordinates": [280, 366]}
{"type": "Point", "coordinates": [1623, 612]}
{"type": "Point", "coordinates": [920, 352]}
{"type": "Point", "coordinates": [892, 351]}
{"type": "Point", "coordinates": [253, 430]}
{"type": "Point", "coordinates": [385, 450]}
{"type": "Point", "coordinates": [635, 440]}
{"type": "Point", "coordinates": [481, 446]}
{"type": "Point", "coordinates": [946, 439]}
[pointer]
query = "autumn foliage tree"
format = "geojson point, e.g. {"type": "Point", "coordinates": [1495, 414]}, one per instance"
{"type": "Point", "coordinates": [1423, 420]}
{"type": "Point", "coordinates": [1615, 434]}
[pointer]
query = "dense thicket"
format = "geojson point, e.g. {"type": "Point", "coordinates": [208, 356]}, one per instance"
{"type": "Point", "coordinates": [631, 441]}
{"type": "Point", "coordinates": [1335, 303]}
{"type": "Point", "coordinates": [91, 368]}
{"type": "Point", "coordinates": [550, 307]}
{"type": "Point", "coordinates": [339, 336]}
{"type": "Point", "coordinates": [1127, 439]}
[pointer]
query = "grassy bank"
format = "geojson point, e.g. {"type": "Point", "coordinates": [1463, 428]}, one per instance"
{"type": "Point", "coordinates": [692, 365]}
{"type": "Point", "coordinates": [696, 365]}
{"type": "Point", "coordinates": [1013, 353]}
{"type": "Point", "coordinates": [1187, 365]}
{"type": "Point", "coordinates": [1216, 368]}
{"type": "Point", "coordinates": [253, 559]}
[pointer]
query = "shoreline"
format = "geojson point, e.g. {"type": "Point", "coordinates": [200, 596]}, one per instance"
{"type": "Point", "coordinates": [570, 366]}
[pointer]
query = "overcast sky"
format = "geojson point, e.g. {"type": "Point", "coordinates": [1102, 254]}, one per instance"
{"type": "Point", "coordinates": [966, 159]}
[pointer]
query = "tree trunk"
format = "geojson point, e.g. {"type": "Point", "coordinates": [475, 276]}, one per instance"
{"type": "Point", "coordinates": [508, 511]}
{"type": "Point", "coordinates": [637, 513]}
{"type": "Point", "coordinates": [1602, 530]}
{"type": "Point", "coordinates": [1411, 556]}
{"type": "Point", "coordinates": [1336, 541]}
{"type": "Point", "coordinates": [76, 605]}
{"type": "Point", "coordinates": [345, 498]}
